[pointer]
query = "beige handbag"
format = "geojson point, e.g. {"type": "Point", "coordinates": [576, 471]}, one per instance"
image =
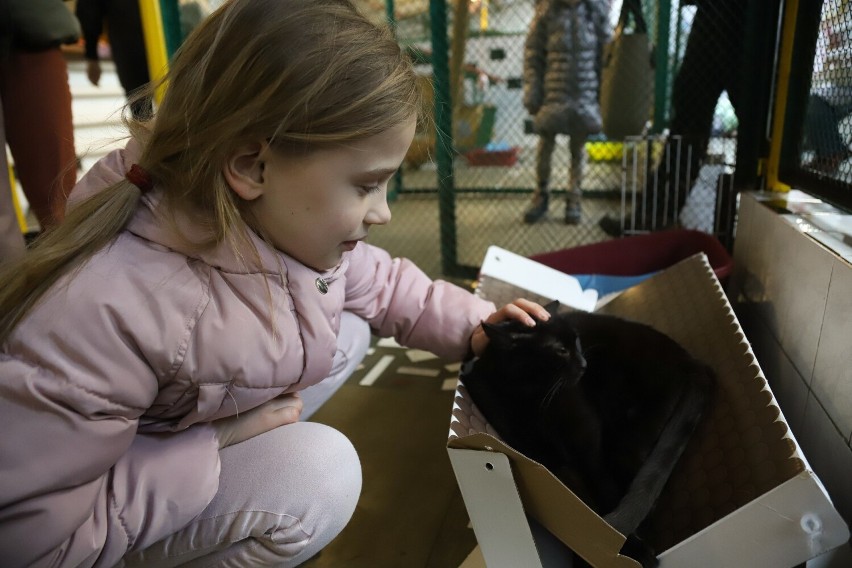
{"type": "Point", "coordinates": [627, 77]}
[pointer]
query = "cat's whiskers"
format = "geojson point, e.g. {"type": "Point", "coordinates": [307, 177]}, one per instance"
{"type": "Point", "coordinates": [551, 393]}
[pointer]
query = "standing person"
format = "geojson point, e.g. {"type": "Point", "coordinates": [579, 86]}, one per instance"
{"type": "Point", "coordinates": [37, 102]}
{"type": "Point", "coordinates": [127, 45]}
{"type": "Point", "coordinates": [712, 64]}
{"type": "Point", "coordinates": [209, 287]}
{"type": "Point", "coordinates": [562, 71]}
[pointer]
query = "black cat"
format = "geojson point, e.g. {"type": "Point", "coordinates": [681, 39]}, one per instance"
{"type": "Point", "coordinates": [606, 404]}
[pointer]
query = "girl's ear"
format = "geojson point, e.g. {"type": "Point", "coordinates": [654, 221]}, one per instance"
{"type": "Point", "coordinates": [243, 171]}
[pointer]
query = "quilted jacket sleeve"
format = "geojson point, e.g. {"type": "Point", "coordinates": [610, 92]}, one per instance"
{"type": "Point", "coordinates": [79, 486]}
{"type": "Point", "coordinates": [399, 300]}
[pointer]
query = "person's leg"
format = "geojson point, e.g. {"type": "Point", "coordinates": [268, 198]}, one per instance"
{"type": "Point", "coordinates": [710, 67]}
{"type": "Point", "coordinates": [541, 197]}
{"type": "Point", "coordinates": [573, 209]}
{"type": "Point", "coordinates": [283, 496]}
{"type": "Point", "coordinates": [39, 129]}
{"type": "Point", "coordinates": [128, 52]}
{"type": "Point", "coordinates": [353, 341]}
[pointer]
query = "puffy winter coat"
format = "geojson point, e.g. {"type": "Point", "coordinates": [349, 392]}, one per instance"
{"type": "Point", "coordinates": [562, 65]}
{"type": "Point", "coordinates": [107, 385]}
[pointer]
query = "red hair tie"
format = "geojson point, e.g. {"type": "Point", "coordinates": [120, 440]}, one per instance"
{"type": "Point", "coordinates": [140, 178]}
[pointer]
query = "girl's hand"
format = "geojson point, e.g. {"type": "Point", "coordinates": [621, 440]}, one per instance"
{"type": "Point", "coordinates": [520, 309]}
{"type": "Point", "coordinates": [281, 410]}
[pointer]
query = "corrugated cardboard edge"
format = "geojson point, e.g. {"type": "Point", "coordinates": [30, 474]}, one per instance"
{"type": "Point", "coordinates": [694, 276]}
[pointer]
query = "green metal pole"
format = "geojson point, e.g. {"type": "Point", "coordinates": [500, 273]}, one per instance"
{"type": "Point", "coordinates": [443, 135]}
{"type": "Point", "coordinates": [661, 80]}
{"type": "Point", "coordinates": [395, 187]}
{"type": "Point", "coordinates": [390, 13]}
{"type": "Point", "coordinates": [171, 25]}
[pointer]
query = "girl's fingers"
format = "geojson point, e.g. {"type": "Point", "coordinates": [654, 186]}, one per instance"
{"type": "Point", "coordinates": [523, 310]}
{"type": "Point", "coordinates": [282, 410]}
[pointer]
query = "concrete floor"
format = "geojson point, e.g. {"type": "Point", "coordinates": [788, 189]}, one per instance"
{"type": "Point", "coordinates": [410, 514]}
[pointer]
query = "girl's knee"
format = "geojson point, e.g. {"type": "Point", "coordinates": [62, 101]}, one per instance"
{"type": "Point", "coordinates": [337, 469]}
{"type": "Point", "coordinates": [284, 495]}
{"type": "Point", "coordinates": [332, 473]}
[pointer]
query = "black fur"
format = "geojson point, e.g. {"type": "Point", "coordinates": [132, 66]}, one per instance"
{"type": "Point", "coordinates": [606, 404]}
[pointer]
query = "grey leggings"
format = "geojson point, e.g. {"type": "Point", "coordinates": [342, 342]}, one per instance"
{"type": "Point", "coordinates": [577, 147]}
{"type": "Point", "coordinates": [282, 495]}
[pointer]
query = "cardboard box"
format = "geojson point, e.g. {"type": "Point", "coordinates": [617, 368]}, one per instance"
{"type": "Point", "coordinates": [742, 494]}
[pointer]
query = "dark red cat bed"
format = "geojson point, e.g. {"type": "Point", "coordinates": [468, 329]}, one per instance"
{"type": "Point", "coordinates": [640, 254]}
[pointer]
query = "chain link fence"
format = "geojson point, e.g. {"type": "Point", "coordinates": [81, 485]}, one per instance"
{"type": "Point", "coordinates": [827, 132]}
{"type": "Point", "coordinates": [654, 140]}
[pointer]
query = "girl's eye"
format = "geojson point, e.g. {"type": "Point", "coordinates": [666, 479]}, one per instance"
{"type": "Point", "coordinates": [370, 188]}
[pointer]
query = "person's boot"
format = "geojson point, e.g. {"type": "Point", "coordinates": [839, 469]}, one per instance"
{"type": "Point", "coordinates": [573, 212]}
{"type": "Point", "coordinates": [538, 209]}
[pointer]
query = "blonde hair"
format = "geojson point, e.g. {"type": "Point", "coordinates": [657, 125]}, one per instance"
{"type": "Point", "coordinates": [304, 74]}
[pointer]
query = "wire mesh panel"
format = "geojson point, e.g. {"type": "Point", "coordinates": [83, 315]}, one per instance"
{"type": "Point", "coordinates": [554, 106]}
{"type": "Point", "coordinates": [828, 120]}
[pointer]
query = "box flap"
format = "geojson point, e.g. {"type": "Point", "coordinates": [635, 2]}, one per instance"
{"type": "Point", "coordinates": [795, 522]}
{"type": "Point", "coordinates": [555, 506]}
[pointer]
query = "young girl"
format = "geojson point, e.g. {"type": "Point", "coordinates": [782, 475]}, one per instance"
{"type": "Point", "coordinates": [210, 287]}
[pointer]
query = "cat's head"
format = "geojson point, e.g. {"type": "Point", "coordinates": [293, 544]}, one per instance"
{"type": "Point", "coordinates": [535, 359]}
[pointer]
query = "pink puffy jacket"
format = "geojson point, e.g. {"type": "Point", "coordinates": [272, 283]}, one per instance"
{"type": "Point", "coordinates": [107, 385]}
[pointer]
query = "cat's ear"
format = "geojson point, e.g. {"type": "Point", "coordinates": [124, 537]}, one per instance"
{"type": "Point", "coordinates": [495, 332]}
{"type": "Point", "coordinates": [500, 334]}
{"type": "Point", "coordinates": [552, 307]}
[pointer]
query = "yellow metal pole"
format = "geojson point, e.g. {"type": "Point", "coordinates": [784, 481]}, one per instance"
{"type": "Point", "coordinates": [155, 42]}
{"type": "Point", "coordinates": [788, 33]}
{"type": "Point", "coordinates": [16, 203]}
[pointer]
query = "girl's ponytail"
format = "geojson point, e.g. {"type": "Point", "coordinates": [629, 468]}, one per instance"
{"type": "Point", "coordinates": [88, 227]}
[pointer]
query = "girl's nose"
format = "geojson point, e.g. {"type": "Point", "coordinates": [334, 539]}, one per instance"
{"type": "Point", "coordinates": [379, 212]}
